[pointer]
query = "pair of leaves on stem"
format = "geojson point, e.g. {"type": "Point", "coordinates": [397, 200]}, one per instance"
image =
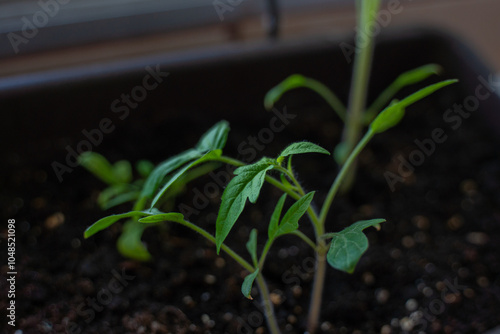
{"type": "Point", "coordinates": [119, 175]}
{"type": "Point", "coordinates": [277, 227]}
{"type": "Point", "coordinates": [246, 185]}
{"type": "Point", "coordinates": [209, 147]}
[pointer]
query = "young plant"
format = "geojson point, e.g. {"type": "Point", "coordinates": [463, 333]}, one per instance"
{"type": "Point", "coordinates": [356, 115]}
{"type": "Point", "coordinates": [341, 250]}
{"type": "Point", "coordinates": [122, 189]}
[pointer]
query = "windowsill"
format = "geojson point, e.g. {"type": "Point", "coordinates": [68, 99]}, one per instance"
{"type": "Point", "coordinates": [474, 20]}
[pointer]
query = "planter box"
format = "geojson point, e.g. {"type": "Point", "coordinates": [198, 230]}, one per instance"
{"type": "Point", "coordinates": [157, 106]}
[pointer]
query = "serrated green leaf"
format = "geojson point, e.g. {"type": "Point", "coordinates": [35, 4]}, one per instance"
{"type": "Point", "coordinates": [252, 245]}
{"type": "Point", "coordinates": [301, 148]}
{"type": "Point", "coordinates": [129, 243]}
{"type": "Point", "coordinates": [246, 287]}
{"type": "Point", "coordinates": [163, 217]}
{"type": "Point", "coordinates": [105, 222]}
{"type": "Point", "coordinates": [166, 167]}
{"type": "Point", "coordinates": [215, 138]}
{"type": "Point", "coordinates": [245, 185]}
{"type": "Point", "coordinates": [211, 155]}
{"type": "Point", "coordinates": [290, 221]}
{"type": "Point", "coordinates": [275, 218]}
{"type": "Point", "coordinates": [348, 245]}
{"type": "Point", "coordinates": [99, 166]}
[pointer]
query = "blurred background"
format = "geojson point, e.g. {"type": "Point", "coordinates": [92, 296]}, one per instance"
{"type": "Point", "coordinates": [47, 34]}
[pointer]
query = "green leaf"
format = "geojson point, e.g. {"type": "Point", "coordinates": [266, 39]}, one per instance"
{"type": "Point", "coordinates": [275, 218]}
{"type": "Point", "coordinates": [300, 148]}
{"type": "Point", "coordinates": [348, 245]}
{"type": "Point", "coordinates": [388, 118]}
{"type": "Point", "coordinates": [275, 93]}
{"type": "Point", "coordinates": [246, 287]}
{"type": "Point", "coordinates": [341, 153]}
{"type": "Point", "coordinates": [252, 245]}
{"type": "Point", "coordinates": [99, 166]}
{"type": "Point", "coordinates": [211, 155]}
{"type": "Point", "coordinates": [166, 167]}
{"type": "Point", "coordinates": [111, 192]}
{"type": "Point", "coordinates": [163, 217]}
{"type": "Point", "coordinates": [144, 167]}
{"type": "Point", "coordinates": [123, 171]}
{"type": "Point", "coordinates": [129, 243]}
{"type": "Point", "coordinates": [424, 92]}
{"type": "Point", "coordinates": [290, 221]}
{"type": "Point", "coordinates": [105, 222]}
{"type": "Point", "coordinates": [297, 81]}
{"type": "Point", "coordinates": [405, 79]}
{"type": "Point", "coordinates": [215, 138]}
{"type": "Point", "coordinates": [121, 198]}
{"type": "Point", "coordinates": [393, 114]}
{"type": "Point", "coordinates": [245, 185]}
{"type": "Point", "coordinates": [416, 75]}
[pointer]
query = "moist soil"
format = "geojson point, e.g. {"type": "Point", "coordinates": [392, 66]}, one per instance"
{"type": "Point", "coordinates": [433, 268]}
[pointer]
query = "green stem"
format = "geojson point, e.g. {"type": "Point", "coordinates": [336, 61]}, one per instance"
{"type": "Point", "coordinates": [268, 306]}
{"type": "Point", "coordinates": [359, 86]}
{"type": "Point", "coordinates": [272, 323]}
{"type": "Point", "coordinates": [306, 239]}
{"type": "Point", "coordinates": [224, 247]}
{"type": "Point", "coordinates": [342, 174]}
{"type": "Point", "coordinates": [382, 100]}
{"type": "Point", "coordinates": [318, 229]}
{"type": "Point", "coordinates": [317, 292]}
{"type": "Point", "coordinates": [327, 94]}
{"type": "Point", "coordinates": [264, 254]}
{"type": "Point", "coordinates": [231, 161]}
{"type": "Point", "coordinates": [361, 72]}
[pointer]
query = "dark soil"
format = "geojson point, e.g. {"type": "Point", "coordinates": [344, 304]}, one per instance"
{"type": "Point", "coordinates": [433, 268]}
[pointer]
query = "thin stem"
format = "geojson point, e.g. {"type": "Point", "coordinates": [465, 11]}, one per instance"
{"type": "Point", "coordinates": [264, 253]}
{"type": "Point", "coordinates": [317, 292]}
{"type": "Point", "coordinates": [224, 247]}
{"type": "Point", "coordinates": [342, 174]}
{"type": "Point", "coordinates": [268, 307]}
{"type": "Point", "coordinates": [328, 95]}
{"type": "Point", "coordinates": [231, 161]}
{"type": "Point", "coordinates": [306, 239]}
{"type": "Point", "coordinates": [272, 323]}
{"type": "Point", "coordinates": [359, 86]}
{"type": "Point", "coordinates": [269, 179]}
{"type": "Point", "coordinates": [361, 72]}
{"type": "Point", "coordinates": [282, 187]}
{"type": "Point", "coordinates": [310, 211]}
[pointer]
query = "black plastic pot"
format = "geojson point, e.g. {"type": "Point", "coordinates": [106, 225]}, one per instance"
{"type": "Point", "coordinates": [143, 108]}
{"type": "Point", "coordinates": [43, 112]}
